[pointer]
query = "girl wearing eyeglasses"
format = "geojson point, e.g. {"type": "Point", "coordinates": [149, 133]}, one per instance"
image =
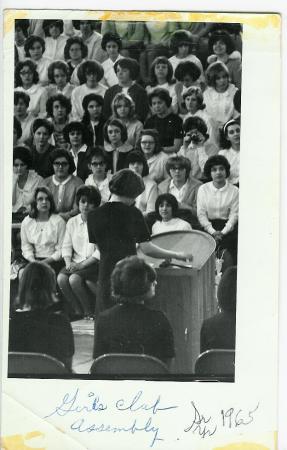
{"type": "Point", "coordinates": [100, 176]}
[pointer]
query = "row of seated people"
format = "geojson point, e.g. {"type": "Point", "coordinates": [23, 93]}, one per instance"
{"type": "Point", "coordinates": [128, 327]}
{"type": "Point", "coordinates": [211, 206]}
{"type": "Point", "coordinates": [142, 41]}
{"type": "Point", "coordinates": [215, 87]}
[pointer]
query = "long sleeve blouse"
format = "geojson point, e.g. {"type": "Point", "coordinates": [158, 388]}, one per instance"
{"type": "Point", "coordinates": [42, 239]}
{"type": "Point", "coordinates": [213, 203]}
{"type": "Point", "coordinates": [76, 245]}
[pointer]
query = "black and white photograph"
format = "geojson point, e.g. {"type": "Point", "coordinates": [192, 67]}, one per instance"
{"type": "Point", "coordinates": [125, 199]}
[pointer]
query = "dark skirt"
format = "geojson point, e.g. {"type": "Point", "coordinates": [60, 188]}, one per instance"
{"type": "Point", "coordinates": [229, 241]}
{"type": "Point", "coordinates": [89, 273]}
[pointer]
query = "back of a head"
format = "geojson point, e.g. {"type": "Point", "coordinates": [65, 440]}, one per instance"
{"type": "Point", "coordinates": [37, 286]}
{"type": "Point", "coordinates": [131, 278]}
{"type": "Point", "coordinates": [227, 290]}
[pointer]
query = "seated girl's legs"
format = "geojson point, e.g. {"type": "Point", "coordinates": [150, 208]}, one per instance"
{"type": "Point", "coordinates": [64, 285]}
{"type": "Point", "coordinates": [81, 291]}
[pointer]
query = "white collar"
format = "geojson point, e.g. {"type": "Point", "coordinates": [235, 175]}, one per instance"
{"type": "Point", "coordinates": [62, 183]}
{"type": "Point", "coordinates": [215, 189]}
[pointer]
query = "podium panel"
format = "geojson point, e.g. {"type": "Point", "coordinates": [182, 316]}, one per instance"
{"type": "Point", "coordinates": [186, 294]}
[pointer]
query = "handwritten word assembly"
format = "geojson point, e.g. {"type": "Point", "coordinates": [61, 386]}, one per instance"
{"type": "Point", "coordinates": [134, 414]}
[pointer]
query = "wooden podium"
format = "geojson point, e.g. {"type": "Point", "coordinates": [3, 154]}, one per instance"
{"type": "Point", "coordinates": [185, 294]}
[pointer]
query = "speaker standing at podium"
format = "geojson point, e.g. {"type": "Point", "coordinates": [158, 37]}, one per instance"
{"type": "Point", "coordinates": [117, 227]}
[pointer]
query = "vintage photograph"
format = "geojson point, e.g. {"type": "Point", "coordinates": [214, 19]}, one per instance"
{"type": "Point", "coordinates": [125, 199]}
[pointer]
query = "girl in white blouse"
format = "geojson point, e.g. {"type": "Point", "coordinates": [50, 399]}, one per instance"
{"type": "Point", "coordinates": [161, 75]}
{"type": "Point", "coordinates": [34, 48]}
{"type": "Point", "coordinates": [218, 96]}
{"type": "Point", "coordinates": [166, 208]}
{"type": "Point", "coordinates": [100, 176]}
{"type": "Point", "coordinates": [230, 142]}
{"type": "Point", "coordinates": [89, 74]}
{"type": "Point", "coordinates": [81, 258]}
{"type": "Point", "coordinates": [149, 144]}
{"type": "Point", "coordinates": [25, 180]}
{"type": "Point", "coordinates": [42, 231]}
{"type": "Point", "coordinates": [26, 80]}
{"type": "Point", "coordinates": [145, 202]}
{"type": "Point", "coordinates": [217, 207]}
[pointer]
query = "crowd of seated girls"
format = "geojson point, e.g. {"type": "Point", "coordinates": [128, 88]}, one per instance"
{"type": "Point", "coordinates": [92, 98]}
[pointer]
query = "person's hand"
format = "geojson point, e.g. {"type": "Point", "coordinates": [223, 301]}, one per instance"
{"type": "Point", "coordinates": [75, 267]}
{"type": "Point", "coordinates": [184, 256]}
{"type": "Point", "coordinates": [217, 236]}
{"type": "Point", "coordinates": [70, 266]}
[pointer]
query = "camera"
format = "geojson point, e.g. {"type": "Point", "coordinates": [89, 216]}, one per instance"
{"type": "Point", "coordinates": [195, 138]}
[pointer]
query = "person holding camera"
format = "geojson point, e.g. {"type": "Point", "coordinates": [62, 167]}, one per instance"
{"type": "Point", "coordinates": [195, 146]}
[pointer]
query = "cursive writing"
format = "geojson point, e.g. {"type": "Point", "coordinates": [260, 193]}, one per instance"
{"type": "Point", "coordinates": [201, 425]}
{"type": "Point", "coordinates": [81, 426]}
{"type": "Point", "coordinates": [69, 405]}
{"type": "Point", "coordinates": [137, 404]}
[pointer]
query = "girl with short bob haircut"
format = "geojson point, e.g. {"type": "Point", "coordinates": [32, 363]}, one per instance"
{"type": "Point", "coordinates": [112, 45]}
{"type": "Point", "coordinates": [25, 180]}
{"type": "Point", "coordinates": [100, 176]}
{"type": "Point", "coordinates": [168, 124]}
{"type": "Point", "coordinates": [145, 202]}
{"type": "Point", "coordinates": [166, 208]}
{"type": "Point", "coordinates": [58, 109]}
{"type": "Point", "coordinates": [34, 48]}
{"type": "Point", "coordinates": [21, 106]}
{"type": "Point", "coordinates": [93, 119]}
{"type": "Point", "coordinates": [218, 96]}
{"type": "Point", "coordinates": [81, 258]}
{"type": "Point", "coordinates": [123, 109]}
{"type": "Point", "coordinates": [195, 146]}
{"type": "Point", "coordinates": [188, 75]}
{"type": "Point", "coordinates": [75, 134]}
{"type": "Point", "coordinates": [127, 71]}
{"type": "Point", "coordinates": [194, 105]}
{"type": "Point", "coordinates": [58, 74]}
{"type": "Point", "coordinates": [182, 43]}
{"type": "Point", "coordinates": [55, 41]}
{"type": "Point", "coordinates": [131, 327]}
{"type": "Point", "coordinates": [219, 221]}
{"type": "Point", "coordinates": [27, 80]}
{"type": "Point", "coordinates": [75, 52]}
{"type": "Point", "coordinates": [89, 74]}
{"type": "Point", "coordinates": [117, 148]}
{"type": "Point", "coordinates": [221, 48]}
{"type": "Point", "coordinates": [161, 75]}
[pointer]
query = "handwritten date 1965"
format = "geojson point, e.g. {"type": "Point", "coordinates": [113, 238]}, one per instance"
{"type": "Point", "coordinates": [234, 418]}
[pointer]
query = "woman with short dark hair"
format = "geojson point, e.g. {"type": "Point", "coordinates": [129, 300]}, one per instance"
{"type": "Point", "coordinates": [42, 131]}
{"type": "Point", "coordinates": [81, 258]}
{"type": "Point", "coordinates": [217, 207]}
{"type": "Point", "coordinates": [63, 184]}
{"type": "Point", "coordinates": [25, 180]}
{"type": "Point", "coordinates": [27, 80]}
{"type": "Point", "coordinates": [34, 48]}
{"type": "Point", "coordinates": [149, 145]}
{"type": "Point", "coordinates": [131, 327]}
{"type": "Point", "coordinates": [166, 208]}
{"type": "Point", "coordinates": [89, 73]}
{"type": "Point", "coordinates": [218, 332]}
